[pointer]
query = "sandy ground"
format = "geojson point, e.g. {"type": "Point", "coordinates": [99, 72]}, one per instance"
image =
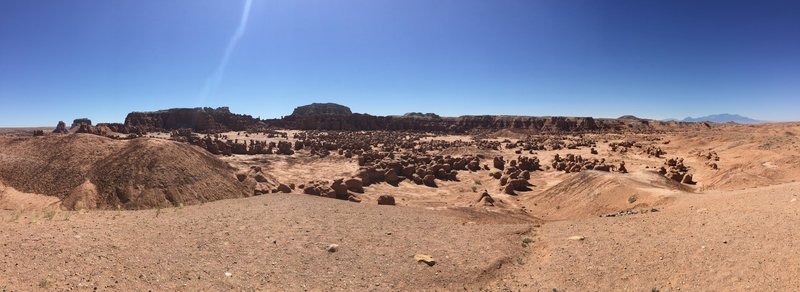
{"type": "Point", "coordinates": [271, 242]}
{"type": "Point", "coordinates": [732, 231]}
{"type": "Point", "coordinates": [720, 241]}
{"type": "Point", "coordinates": [740, 240]}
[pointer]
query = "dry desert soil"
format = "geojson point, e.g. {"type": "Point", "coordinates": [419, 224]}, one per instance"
{"type": "Point", "coordinates": [81, 212]}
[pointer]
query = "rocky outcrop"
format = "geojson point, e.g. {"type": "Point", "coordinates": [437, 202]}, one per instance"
{"type": "Point", "coordinates": [674, 169]}
{"type": "Point", "coordinates": [364, 122]}
{"type": "Point", "coordinates": [322, 109]}
{"type": "Point", "coordinates": [198, 119]}
{"type": "Point", "coordinates": [61, 128]}
{"type": "Point", "coordinates": [81, 122]}
{"type": "Point", "coordinates": [334, 117]}
{"type": "Point", "coordinates": [575, 163]}
{"type": "Point", "coordinates": [421, 115]}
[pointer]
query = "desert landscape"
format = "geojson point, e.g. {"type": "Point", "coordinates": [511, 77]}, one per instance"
{"type": "Point", "coordinates": [400, 145]}
{"type": "Point", "coordinates": [325, 199]}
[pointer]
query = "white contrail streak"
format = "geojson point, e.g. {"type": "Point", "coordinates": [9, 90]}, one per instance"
{"type": "Point", "coordinates": [214, 81]}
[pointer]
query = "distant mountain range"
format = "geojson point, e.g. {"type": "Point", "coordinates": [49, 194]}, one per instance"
{"type": "Point", "coordinates": [721, 118]}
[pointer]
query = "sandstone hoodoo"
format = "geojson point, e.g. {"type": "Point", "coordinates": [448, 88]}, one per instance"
{"type": "Point", "coordinates": [61, 128]}
{"type": "Point", "coordinates": [322, 109]}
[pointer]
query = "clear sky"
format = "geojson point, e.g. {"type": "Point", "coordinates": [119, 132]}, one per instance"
{"type": "Point", "coordinates": [101, 59]}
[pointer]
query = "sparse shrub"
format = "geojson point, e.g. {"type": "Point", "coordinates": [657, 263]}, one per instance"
{"type": "Point", "coordinates": [526, 242]}
{"type": "Point", "coordinates": [34, 218]}
{"type": "Point", "coordinates": [16, 215]}
{"type": "Point", "coordinates": [49, 214]}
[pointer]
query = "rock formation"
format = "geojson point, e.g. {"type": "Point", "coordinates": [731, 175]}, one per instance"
{"type": "Point", "coordinates": [198, 119]}
{"type": "Point", "coordinates": [61, 128]}
{"type": "Point", "coordinates": [322, 109]}
{"type": "Point", "coordinates": [80, 122]}
{"type": "Point", "coordinates": [334, 117]}
{"type": "Point", "coordinates": [674, 169]}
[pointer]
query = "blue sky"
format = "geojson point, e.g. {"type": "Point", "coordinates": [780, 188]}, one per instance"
{"type": "Point", "coordinates": [101, 59]}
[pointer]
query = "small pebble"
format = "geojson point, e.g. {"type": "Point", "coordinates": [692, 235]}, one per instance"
{"type": "Point", "coordinates": [332, 248]}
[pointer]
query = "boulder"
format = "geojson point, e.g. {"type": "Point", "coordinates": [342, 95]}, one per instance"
{"type": "Point", "coordinates": [354, 185]}
{"type": "Point", "coordinates": [311, 190]}
{"type": "Point", "coordinates": [391, 177]}
{"type": "Point", "coordinates": [386, 200]}
{"type": "Point", "coordinates": [284, 188]}
{"type": "Point", "coordinates": [519, 184]}
{"type": "Point", "coordinates": [260, 178]}
{"type": "Point", "coordinates": [241, 176]}
{"type": "Point", "coordinates": [429, 180]}
{"type": "Point", "coordinates": [498, 162]}
{"type": "Point", "coordinates": [509, 189]}
{"type": "Point", "coordinates": [285, 148]}
{"type": "Point", "coordinates": [339, 188]}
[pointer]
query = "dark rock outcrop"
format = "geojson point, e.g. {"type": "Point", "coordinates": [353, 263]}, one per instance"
{"type": "Point", "coordinates": [81, 122]}
{"type": "Point", "coordinates": [61, 128]}
{"type": "Point", "coordinates": [421, 115]}
{"type": "Point", "coordinates": [198, 119]}
{"type": "Point", "coordinates": [364, 122]}
{"type": "Point", "coordinates": [322, 109]}
{"type": "Point", "coordinates": [334, 117]}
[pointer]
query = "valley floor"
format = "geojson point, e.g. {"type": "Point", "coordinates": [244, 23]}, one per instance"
{"type": "Point", "coordinates": [716, 241]}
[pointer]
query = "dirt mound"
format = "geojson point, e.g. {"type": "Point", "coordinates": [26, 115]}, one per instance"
{"type": "Point", "coordinates": [595, 193]}
{"type": "Point", "coordinates": [88, 171]}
